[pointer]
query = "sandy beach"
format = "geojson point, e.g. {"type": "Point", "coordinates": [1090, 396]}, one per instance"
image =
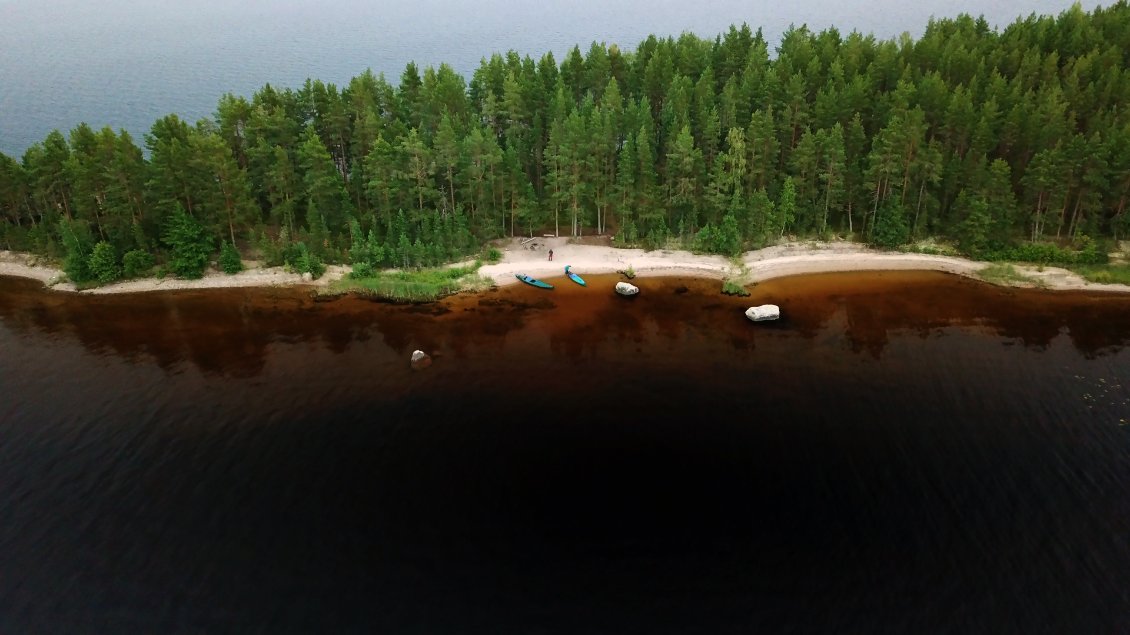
{"type": "Point", "coordinates": [764, 264]}
{"type": "Point", "coordinates": [26, 266]}
{"type": "Point", "coordinates": [531, 257]}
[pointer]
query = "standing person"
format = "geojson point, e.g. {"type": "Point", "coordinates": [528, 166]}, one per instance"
{"type": "Point", "coordinates": [551, 254]}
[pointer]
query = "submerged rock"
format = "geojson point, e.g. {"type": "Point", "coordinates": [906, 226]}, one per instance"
{"type": "Point", "coordinates": [420, 360]}
{"type": "Point", "coordinates": [623, 288]}
{"type": "Point", "coordinates": [763, 313]}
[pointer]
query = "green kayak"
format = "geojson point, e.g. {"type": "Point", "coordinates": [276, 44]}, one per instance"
{"type": "Point", "coordinates": [574, 277]}
{"type": "Point", "coordinates": [533, 281]}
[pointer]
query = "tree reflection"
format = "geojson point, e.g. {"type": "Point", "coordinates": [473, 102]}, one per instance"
{"type": "Point", "coordinates": [233, 332]}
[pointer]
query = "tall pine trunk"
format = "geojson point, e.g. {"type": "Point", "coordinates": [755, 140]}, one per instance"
{"type": "Point", "coordinates": [1074, 226]}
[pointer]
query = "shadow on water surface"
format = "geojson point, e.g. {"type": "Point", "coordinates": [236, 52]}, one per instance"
{"type": "Point", "coordinates": [232, 331]}
{"type": "Point", "coordinates": [900, 453]}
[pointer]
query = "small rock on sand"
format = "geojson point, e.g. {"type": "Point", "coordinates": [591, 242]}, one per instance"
{"type": "Point", "coordinates": [420, 360]}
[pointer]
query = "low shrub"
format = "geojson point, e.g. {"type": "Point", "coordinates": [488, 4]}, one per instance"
{"type": "Point", "coordinates": [301, 260]}
{"type": "Point", "coordinates": [1006, 274]}
{"type": "Point", "coordinates": [230, 261]}
{"type": "Point", "coordinates": [1104, 274]}
{"type": "Point", "coordinates": [136, 263]}
{"type": "Point", "coordinates": [1088, 253]}
{"type": "Point", "coordinates": [422, 285]}
{"type": "Point", "coordinates": [103, 263]}
{"type": "Point", "coordinates": [361, 270]}
{"type": "Point", "coordinates": [729, 287]}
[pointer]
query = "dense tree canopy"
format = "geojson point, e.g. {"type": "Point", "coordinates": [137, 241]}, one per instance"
{"type": "Point", "coordinates": [985, 137]}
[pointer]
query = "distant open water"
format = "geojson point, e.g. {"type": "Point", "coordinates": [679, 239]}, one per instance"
{"type": "Point", "coordinates": [126, 63]}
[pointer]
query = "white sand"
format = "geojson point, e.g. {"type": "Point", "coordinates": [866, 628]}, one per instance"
{"type": "Point", "coordinates": [774, 262]}
{"type": "Point", "coordinates": [764, 264]}
{"type": "Point", "coordinates": [25, 266]}
{"type": "Point", "coordinates": [532, 259]}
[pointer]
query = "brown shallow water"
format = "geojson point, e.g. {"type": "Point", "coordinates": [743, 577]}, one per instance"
{"type": "Point", "coordinates": [902, 452]}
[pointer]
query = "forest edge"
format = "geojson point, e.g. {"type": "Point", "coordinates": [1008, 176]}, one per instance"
{"type": "Point", "coordinates": [798, 258]}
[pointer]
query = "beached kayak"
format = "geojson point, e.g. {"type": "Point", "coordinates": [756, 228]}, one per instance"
{"type": "Point", "coordinates": [574, 277]}
{"type": "Point", "coordinates": [533, 281]}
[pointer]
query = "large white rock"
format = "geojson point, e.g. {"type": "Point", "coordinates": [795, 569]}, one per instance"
{"type": "Point", "coordinates": [763, 313]}
{"type": "Point", "coordinates": [623, 288]}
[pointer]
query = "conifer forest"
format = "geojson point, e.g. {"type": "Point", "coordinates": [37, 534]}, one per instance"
{"type": "Point", "coordinates": [1010, 141]}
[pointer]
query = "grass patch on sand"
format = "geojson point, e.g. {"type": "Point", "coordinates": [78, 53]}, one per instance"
{"type": "Point", "coordinates": [931, 247]}
{"type": "Point", "coordinates": [731, 287]}
{"type": "Point", "coordinates": [1104, 274]}
{"type": "Point", "coordinates": [421, 285]}
{"type": "Point", "coordinates": [1006, 274]}
{"type": "Point", "coordinates": [734, 282]}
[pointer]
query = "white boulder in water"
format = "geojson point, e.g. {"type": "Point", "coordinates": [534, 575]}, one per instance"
{"type": "Point", "coordinates": [420, 360]}
{"type": "Point", "coordinates": [623, 288]}
{"type": "Point", "coordinates": [763, 313]}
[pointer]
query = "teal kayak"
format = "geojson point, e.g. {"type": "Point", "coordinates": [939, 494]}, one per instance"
{"type": "Point", "coordinates": [533, 281]}
{"type": "Point", "coordinates": [574, 277]}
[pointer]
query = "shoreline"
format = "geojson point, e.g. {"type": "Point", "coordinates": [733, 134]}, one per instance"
{"type": "Point", "coordinates": [532, 259]}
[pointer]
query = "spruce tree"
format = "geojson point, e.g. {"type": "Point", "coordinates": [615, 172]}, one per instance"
{"type": "Point", "coordinates": [188, 243]}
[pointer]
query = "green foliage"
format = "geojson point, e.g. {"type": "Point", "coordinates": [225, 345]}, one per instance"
{"type": "Point", "coordinates": [301, 260]}
{"type": "Point", "coordinates": [136, 263]}
{"type": "Point", "coordinates": [272, 251]}
{"type": "Point", "coordinates": [974, 233]}
{"type": "Point", "coordinates": [728, 239]}
{"type": "Point", "coordinates": [657, 236]}
{"type": "Point", "coordinates": [730, 287]}
{"type": "Point", "coordinates": [230, 262]}
{"type": "Point", "coordinates": [1088, 252]}
{"type": "Point", "coordinates": [1104, 274]}
{"type": "Point", "coordinates": [189, 244]}
{"type": "Point", "coordinates": [421, 285]}
{"type": "Point", "coordinates": [103, 264]}
{"type": "Point", "coordinates": [629, 232]}
{"type": "Point", "coordinates": [78, 244]}
{"type": "Point", "coordinates": [786, 206]}
{"type": "Point", "coordinates": [493, 255]}
{"type": "Point", "coordinates": [724, 239]}
{"type": "Point", "coordinates": [890, 229]}
{"type": "Point", "coordinates": [705, 239]}
{"type": "Point", "coordinates": [1040, 253]}
{"type": "Point", "coordinates": [1006, 274]}
{"type": "Point", "coordinates": [361, 270]}
{"type": "Point", "coordinates": [38, 239]}
{"type": "Point", "coordinates": [982, 136]}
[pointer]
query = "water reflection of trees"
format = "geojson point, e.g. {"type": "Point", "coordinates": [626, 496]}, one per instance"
{"type": "Point", "coordinates": [231, 332]}
{"type": "Point", "coordinates": [863, 311]}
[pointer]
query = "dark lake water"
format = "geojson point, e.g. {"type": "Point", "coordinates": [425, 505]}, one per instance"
{"type": "Point", "coordinates": [125, 63]}
{"type": "Point", "coordinates": [901, 453]}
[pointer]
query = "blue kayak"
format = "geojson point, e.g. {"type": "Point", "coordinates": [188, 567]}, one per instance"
{"type": "Point", "coordinates": [533, 281]}
{"type": "Point", "coordinates": [574, 277]}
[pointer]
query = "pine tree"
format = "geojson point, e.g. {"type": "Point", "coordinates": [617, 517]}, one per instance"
{"type": "Point", "coordinates": [684, 178]}
{"type": "Point", "coordinates": [448, 157]}
{"type": "Point", "coordinates": [786, 206]}
{"type": "Point", "coordinates": [230, 262]}
{"type": "Point", "coordinates": [78, 244]}
{"type": "Point", "coordinates": [188, 243]}
{"type": "Point", "coordinates": [103, 264]}
{"type": "Point", "coordinates": [323, 187]}
{"type": "Point", "coordinates": [832, 172]}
